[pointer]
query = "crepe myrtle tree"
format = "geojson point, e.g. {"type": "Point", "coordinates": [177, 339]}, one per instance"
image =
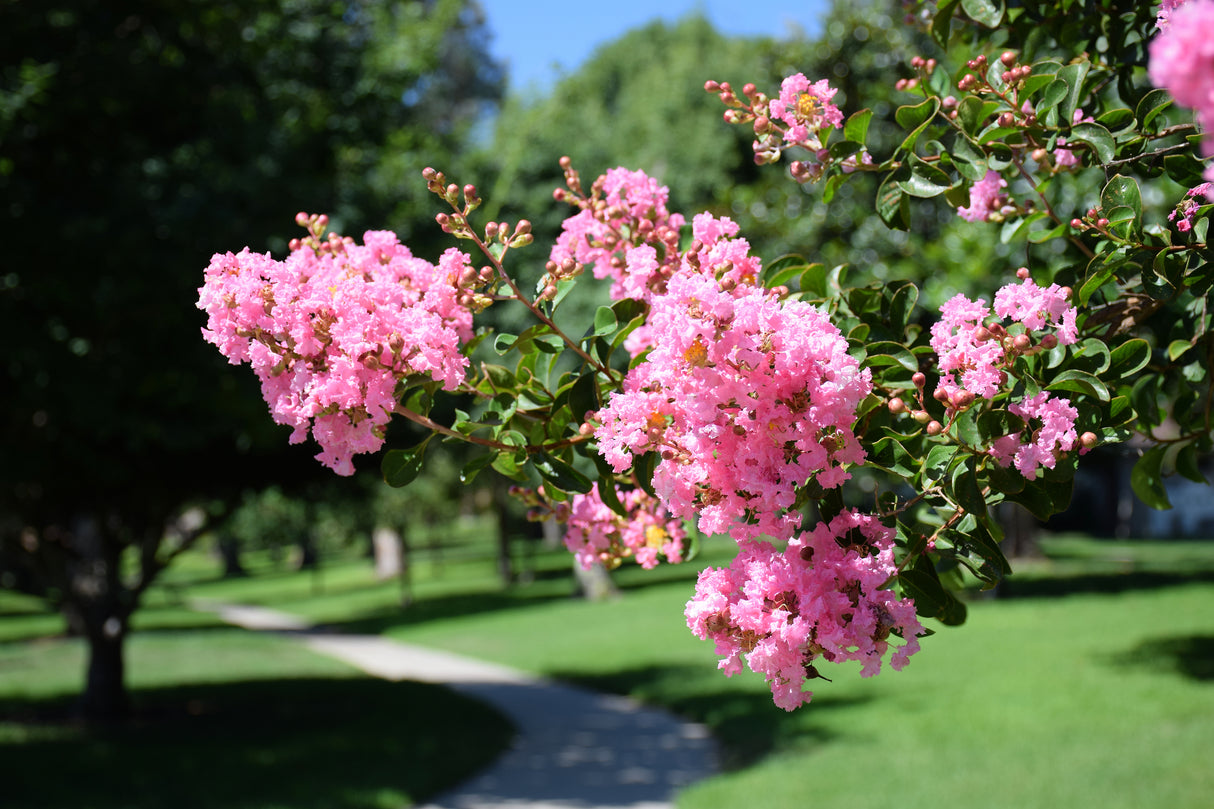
{"type": "Point", "coordinates": [719, 393]}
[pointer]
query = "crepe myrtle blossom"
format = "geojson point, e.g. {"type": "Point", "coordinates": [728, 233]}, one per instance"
{"type": "Point", "coordinates": [1181, 60]}
{"type": "Point", "coordinates": [1049, 432]}
{"type": "Point", "coordinates": [806, 109]}
{"type": "Point", "coordinates": [745, 397]}
{"type": "Point", "coordinates": [625, 213]}
{"type": "Point", "coordinates": [1164, 18]}
{"type": "Point", "coordinates": [821, 598]}
{"type": "Point", "coordinates": [330, 330]}
{"type": "Point", "coordinates": [985, 198]}
{"type": "Point", "coordinates": [596, 535]}
{"type": "Point", "coordinates": [1188, 206]}
{"type": "Point", "coordinates": [974, 353]}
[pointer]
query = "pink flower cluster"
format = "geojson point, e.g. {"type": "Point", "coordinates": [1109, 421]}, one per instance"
{"type": "Point", "coordinates": [1049, 431]}
{"type": "Point", "coordinates": [596, 535]}
{"type": "Point", "coordinates": [985, 197]}
{"type": "Point", "coordinates": [973, 355]}
{"type": "Point", "coordinates": [746, 398]}
{"type": "Point", "coordinates": [1187, 208]}
{"type": "Point", "coordinates": [821, 598]}
{"type": "Point", "coordinates": [626, 212]}
{"type": "Point", "coordinates": [1182, 61]}
{"type": "Point", "coordinates": [330, 331]}
{"type": "Point", "coordinates": [806, 109]}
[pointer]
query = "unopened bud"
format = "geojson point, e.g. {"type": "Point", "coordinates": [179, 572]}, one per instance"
{"type": "Point", "coordinates": [1008, 58]}
{"type": "Point", "coordinates": [921, 416]}
{"type": "Point", "coordinates": [934, 428]}
{"type": "Point", "coordinates": [897, 406]}
{"type": "Point", "coordinates": [919, 379]}
{"type": "Point", "coordinates": [1088, 440]}
{"type": "Point", "coordinates": [1022, 343]}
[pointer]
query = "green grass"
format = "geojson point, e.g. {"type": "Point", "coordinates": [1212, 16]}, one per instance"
{"type": "Point", "coordinates": [1092, 686]}
{"type": "Point", "coordinates": [226, 718]}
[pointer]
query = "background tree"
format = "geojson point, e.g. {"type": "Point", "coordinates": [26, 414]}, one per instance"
{"type": "Point", "coordinates": [132, 141]}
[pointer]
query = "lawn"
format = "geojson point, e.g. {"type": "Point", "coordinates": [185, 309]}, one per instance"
{"type": "Point", "coordinates": [1091, 685]}
{"type": "Point", "coordinates": [225, 718]}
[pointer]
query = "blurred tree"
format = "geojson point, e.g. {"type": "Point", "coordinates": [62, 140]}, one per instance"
{"type": "Point", "coordinates": [134, 139]}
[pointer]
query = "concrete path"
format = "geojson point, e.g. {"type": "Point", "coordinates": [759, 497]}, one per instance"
{"type": "Point", "coordinates": [575, 749]}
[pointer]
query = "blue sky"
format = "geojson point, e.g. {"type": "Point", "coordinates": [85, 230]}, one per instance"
{"type": "Point", "coordinates": [535, 37]}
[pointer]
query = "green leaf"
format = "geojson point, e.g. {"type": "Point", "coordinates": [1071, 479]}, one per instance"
{"type": "Point", "coordinates": [889, 353]}
{"type": "Point", "coordinates": [1095, 136]}
{"type": "Point", "coordinates": [607, 488]}
{"type": "Point", "coordinates": [915, 119]}
{"type": "Point", "coordinates": [471, 469]}
{"type": "Point", "coordinates": [1122, 191]}
{"type": "Point", "coordinates": [902, 307]}
{"type": "Point", "coordinates": [888, 453]}
{"type": "Point", "coordinates": [1043, 498]}
{"type": "Point", "coordinates": [940, 23]}
{"type": "Point", "coordinates": [1073, 75]}
{"type": "Point", "coordinates": [783, 270]}
{"type": "Point", "coordinates": [401, 466]}
{"type": "Point", "coordinates": [1186, 463]}
{"type": "Point", "coordinates": [643, 470]}
{"type": "Point", "coordinates": [1054, 93]}
{"type": "Point", "coordinates": [984, 12]}
{"type": "Point", "coordinates": [1151, 105]}
{"type": "Point", "coordinates": [925, 180]}
{"type": "Point", "coordinates": [1129, 358]}
{"type": "Point", "coordinates": [560, 474]}
{"type": "Point", "coordinates": [855, 128]}
{"type": "Point", "coordinates": [937, 461]}
{"type": "Point", "coordinates": [1080, 382]}
{"type": "Point", "coordinates": [892, 204]}
{"type": "Point", "coordinates": [1147, 479]}
{"type": "Point", "coordinates": [922, 585]}
{"type": "Point", "coordinates": [605, 321]}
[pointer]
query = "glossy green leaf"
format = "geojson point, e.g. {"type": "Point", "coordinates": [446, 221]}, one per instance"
{"type": "Point", "coordinates": [1097, 137]}
{"type": "Point", "coordinates": [400, 467]}
{"type": "Point", "coordinates": [855, 128]}
{"type": "Point", "coordinates": [1080, 382]}
{"type": "Point", "coordinates": [925, 181]}
{"type": "Point", "coordinates": [1129, 358]}
{"type": "Point", "coordinates": [1073, 75]}
{"type": "Point", "coordinates": [984, 12]}
{"type": "Point", "coordinates": [1147, 479]}
{"type": "Point", "coordinates": [915, 119]}
{"type": "Point", "coordinates": [560, 473]}
{"type": "Point", "coordinates": [1151, 106]}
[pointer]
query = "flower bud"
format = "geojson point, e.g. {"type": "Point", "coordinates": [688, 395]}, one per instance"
{"type": "Point", "coordinates": [897, 406]}
{"type": "Point", "coordinates": [934, 428]}
{"type": "Point", "coordinates": [919, 379]}
{"type": "Point", "coordinates": [1022, 343]}
{"type": "Point", "coordinates": [1008, 58]}
{"type": "Point", "coordinates": [921, 416]}
{"type": "Point", "coordinates": [1088, 440]}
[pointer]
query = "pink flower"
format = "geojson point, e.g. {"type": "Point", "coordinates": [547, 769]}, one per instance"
{"type": "Point", "coordinates": [1038, 307]}
{"type": "Point", "coordinates": [626, 211]}
{"type": "Point", "coordinates": [1187, 208]}
{"type": "Point", "coordinates": [1165, 12]}
{"type": "Point", "coordinates": [821, 599]}
{"type": "Point", "coordinates": [598, 536]}
{"type": "Point", "coordinates": [806, 109]}
{"type": "Point", "coordinates": [744, 396]}
{"type": "Point", "coordinates": [331, 329]}
{"type": "Point", "coordinates": [1182, 59]}
{"type": "Point", "coordinates": [1049, 432]}
{"type": "Point", "coordinates": [984, 198]}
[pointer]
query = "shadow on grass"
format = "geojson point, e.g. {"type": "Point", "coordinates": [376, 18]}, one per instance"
{"type": "Point", "coordinates": [1104, 583]}
{"type": "Point", "coordinates": [745, 723]}
{"type": "Point", "coordinates": [1191, 656]}
{"type": "Point", "coordinates": [321, 743]}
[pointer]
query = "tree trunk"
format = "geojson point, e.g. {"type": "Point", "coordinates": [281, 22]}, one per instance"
{"type": "Point", "coordinates": [105, 697]}
{"type": "Point", "coordinates": [97, 603]}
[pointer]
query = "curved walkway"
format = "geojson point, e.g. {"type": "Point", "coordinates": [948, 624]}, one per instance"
{"type": "Point", "coordinates": [574, 749]}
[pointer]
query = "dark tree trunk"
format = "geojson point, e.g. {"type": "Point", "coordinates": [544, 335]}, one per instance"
{"type": "Point", "coordinates": [229, 552]}
{"type": "Point", "coordinates": [105, 697]}
{"type": "Point", "coordinates": [98, 605]}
